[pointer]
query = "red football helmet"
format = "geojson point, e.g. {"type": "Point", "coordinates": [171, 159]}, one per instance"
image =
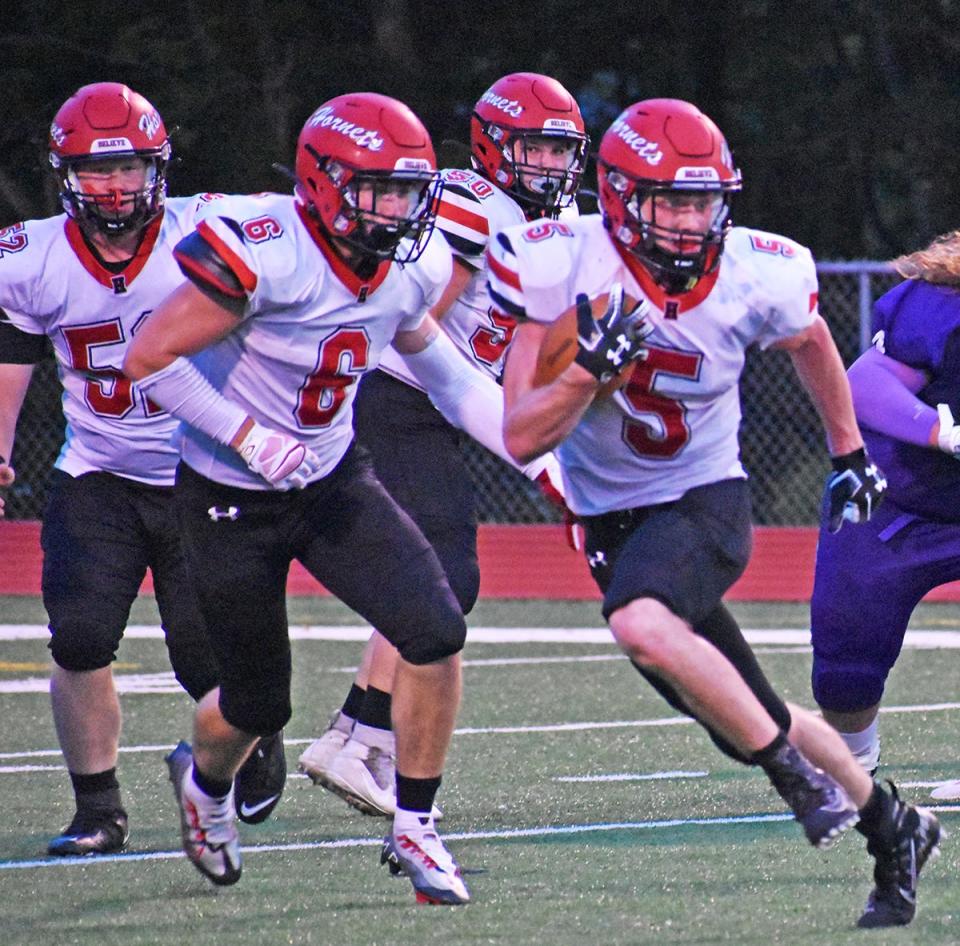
{"type": "Point", "coordinates": [518, 107]}
{"type": "Point", "coordinates": [366, 171]}
{"type": "Point", "coordinates": [658, 151]}
{"type": "Point", "coordinates": [109, 120]}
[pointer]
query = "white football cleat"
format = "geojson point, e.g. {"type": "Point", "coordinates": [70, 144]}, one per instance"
{"type": "Point", "coordinates": [208, 828]}
{"type": "Point", "coordinates": [363, 776]}
{"type": "Point", "coordinates": [420, 855]}
{"type": "Point", "coordinates": [315, 760]}
{"type": "Point", "coordinates": [948, 790]}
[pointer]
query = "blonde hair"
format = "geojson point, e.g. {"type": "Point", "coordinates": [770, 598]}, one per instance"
{"type": "Point", "coordinates": [937, 263]}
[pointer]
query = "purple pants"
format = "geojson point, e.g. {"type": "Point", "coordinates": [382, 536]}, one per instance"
{"type": "Point", "coordinates": [869, 578]}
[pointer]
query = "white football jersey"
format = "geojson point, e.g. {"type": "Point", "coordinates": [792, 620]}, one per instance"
{"type": "Point", "coordinates": [471, 212]}
{"type": "Point", "coordinates": [311, 328]}
{"type": "Point", "coordinates": [674, 425]}
{"type": "Point", "coordinates": [51, 284]}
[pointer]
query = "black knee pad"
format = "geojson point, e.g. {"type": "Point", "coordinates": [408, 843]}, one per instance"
{"type": "Point", "coordinates": [260, 710]}
{"type": "Point", "coordinates": [80, 647]}
{"type": "Point", "coordinates": [193, 663]}
{"type": "Point", "coordinates": [434, 640]}
{"type": "Point", "coordinates": [197, 681]}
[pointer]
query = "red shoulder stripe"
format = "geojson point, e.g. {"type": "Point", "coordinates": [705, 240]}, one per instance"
{"type": "Point", "coordinates": [465, 218]}
{"type": "Point", "coordinates": [246, 277]}
{"type": "Point", "coordinates": [505, 275]}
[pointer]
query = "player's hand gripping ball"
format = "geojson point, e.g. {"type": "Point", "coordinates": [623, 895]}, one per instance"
{"type": "Point", "coordinates": [605, 335]}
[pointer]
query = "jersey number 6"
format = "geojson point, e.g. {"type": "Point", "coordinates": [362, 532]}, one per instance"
{"type": "Point", "coordinates": [341, 362]}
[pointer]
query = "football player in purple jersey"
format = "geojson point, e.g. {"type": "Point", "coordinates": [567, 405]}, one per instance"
{"type": "Point", "coordinates": [528, 152]}
{"type": "Point", "coordinates": [906, 392]}
{"type": "Point", "coordinates": [654, 470]}
{"type": "Point", "coordinates": [83, 282]}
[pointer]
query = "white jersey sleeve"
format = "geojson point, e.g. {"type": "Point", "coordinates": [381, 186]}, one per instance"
{"type": "Point", "coordinates": [783, 281]}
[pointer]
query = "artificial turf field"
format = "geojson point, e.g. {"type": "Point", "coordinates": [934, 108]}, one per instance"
{"type": "Point", "coordinates": [581, 807]}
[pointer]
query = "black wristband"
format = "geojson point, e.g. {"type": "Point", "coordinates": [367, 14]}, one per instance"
{"type": "Point", "coordinates": [844, 461]}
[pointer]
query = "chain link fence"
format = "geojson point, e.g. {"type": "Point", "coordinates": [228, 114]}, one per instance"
{"type": "Point", "coordinates": [781, 437]}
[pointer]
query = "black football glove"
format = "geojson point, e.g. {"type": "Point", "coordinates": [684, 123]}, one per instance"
{"type": "Point", "coordinates": [605, 346]}
{"type": "Point", "coordinates": [854, 489]}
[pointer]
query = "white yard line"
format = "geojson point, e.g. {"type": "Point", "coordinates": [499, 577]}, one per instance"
{"type": "Point", "coordinates": [919, 638]}
{"type": "Point", "coordinates": [584, 726]}
{"type": "Point", "coordinates": [539, 832]}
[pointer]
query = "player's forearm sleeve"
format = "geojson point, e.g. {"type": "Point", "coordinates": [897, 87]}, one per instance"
{"type": "Point", "coordinates": [183, 391]}
{"type": "Point", "coordinates": [883, 399]}
{"type": "Point", "coordinates": [468, 398]}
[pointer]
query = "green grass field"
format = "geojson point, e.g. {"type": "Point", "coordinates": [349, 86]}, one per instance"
{"type": "Point", "coordinates": [555, 853]}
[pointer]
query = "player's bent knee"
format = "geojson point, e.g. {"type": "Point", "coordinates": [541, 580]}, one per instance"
{"type": "Point", "coordinates": [644, 630]}
{"type": "Point", "coordinates": [83, 650]}
{"type": "Point", "coordinates": [260, 712]}
{"type": "Point", "coordinates": [846, 690]}
{"type": "Point", "coordinates": [434, 642]}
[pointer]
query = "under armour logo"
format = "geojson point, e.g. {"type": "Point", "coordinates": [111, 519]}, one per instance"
{"type": "Point", "coordinates": [119, 284]}
{"type": "Point", "coordinates": [596, 559]}
{"type": "Point", "coordinates": [216, 513]}
{"type": "Point", "coordinates": [879, 480]}
{"type": "Point", "coordinates": [616, 355]}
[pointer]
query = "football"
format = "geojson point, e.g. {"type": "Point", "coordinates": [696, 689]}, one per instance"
{"type": "Point", "coordinates": [559, 345]}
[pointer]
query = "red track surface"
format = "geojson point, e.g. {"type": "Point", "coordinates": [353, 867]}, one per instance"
{"type": "Point", "coordinates": [515, 562]}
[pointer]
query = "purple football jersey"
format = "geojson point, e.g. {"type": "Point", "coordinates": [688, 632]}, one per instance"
{"type": "Point", "coordinates": [920, 326]}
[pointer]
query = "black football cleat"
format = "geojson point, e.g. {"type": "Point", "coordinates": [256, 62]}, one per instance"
{"type": "Point", "coordinates": [817, 800]}
{"type": "Point", "coordinates": [260, 781]}
{"type": "Point", "coordinates": [92, 831]}
{"type": "Point", "coordinates": [899, 858]}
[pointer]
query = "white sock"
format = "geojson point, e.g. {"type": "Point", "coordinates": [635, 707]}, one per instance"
{"type": "Point", "coordinates": [406, 821]}
{"type": "Point", "coordinates": [865, 745]}
{"type": "Point", "coordinates": [343, 723]}
{"type": "Point", "coordinates": [382, 739]}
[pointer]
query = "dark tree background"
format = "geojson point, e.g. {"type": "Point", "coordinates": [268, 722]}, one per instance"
{"type": "Point", "coordinates": [843, 115]}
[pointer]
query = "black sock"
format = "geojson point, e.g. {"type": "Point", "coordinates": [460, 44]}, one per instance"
{"type": "Point", "coordinates": [765, 756]}
{"type": "Point", "coordinates": [375, 711]}
{"type": "Point", "coordinates": [353, 702]}
{"type": "Point", "coordinates": [875, 814]}
{"type": "Point", "coordinates": [215, 788]}
{"type": "Point", "coordinates": [99, 790]}
{"type": "Point", "coordinates": [416, 794]}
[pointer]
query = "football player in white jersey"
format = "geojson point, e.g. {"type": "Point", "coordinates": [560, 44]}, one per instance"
{"type": "Point", "coordinates": [290, 301]}
{"type": "Point", "coordinates": [654, 470]}
{"type": "Point", "coordinates": [85, 280]}
{"type": "Point", "coordinates": [528, 150]}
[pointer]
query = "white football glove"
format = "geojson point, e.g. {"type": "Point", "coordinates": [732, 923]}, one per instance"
{"type": "Point", "coordinates": [278, 458]}
{"type": "Point", "coordinates": [949, 437]}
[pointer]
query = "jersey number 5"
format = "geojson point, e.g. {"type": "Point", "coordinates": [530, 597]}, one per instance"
{"type": "Point", "coordinates": [489, 344]}
{"type": "Point", "coordinates": [107, 391]}
{"type": "Point", "coordinates": [638, 392]}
